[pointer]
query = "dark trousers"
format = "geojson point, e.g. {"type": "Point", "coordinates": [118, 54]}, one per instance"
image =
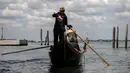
{"type": "Point", "coordinates": [58, 34]}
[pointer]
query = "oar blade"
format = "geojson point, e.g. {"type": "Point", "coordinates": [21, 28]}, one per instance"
{"type": "Point", "coordinates": [106, 63]}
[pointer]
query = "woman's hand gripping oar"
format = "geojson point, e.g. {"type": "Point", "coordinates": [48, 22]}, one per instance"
{"type": "Point", "coordinates": [92, 48]}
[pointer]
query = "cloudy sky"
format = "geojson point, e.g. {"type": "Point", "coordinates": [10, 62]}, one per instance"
{"type": "Point", "coordinates": [94, 19]}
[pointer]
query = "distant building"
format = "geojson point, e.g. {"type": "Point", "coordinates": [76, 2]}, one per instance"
{"type": "Point", "coordinates": [11, 42]}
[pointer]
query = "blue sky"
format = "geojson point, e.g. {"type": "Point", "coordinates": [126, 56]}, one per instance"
{"type": "Point", "coordinates": [94, 19]}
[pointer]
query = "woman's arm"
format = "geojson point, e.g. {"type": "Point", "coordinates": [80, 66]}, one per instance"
{"type": "Point", "coordinates": [54, 15]}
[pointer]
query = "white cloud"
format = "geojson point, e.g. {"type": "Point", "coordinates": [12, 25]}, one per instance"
{"type": "Point", "coordinates": [99, 19]}
{"type": "Point", "coordinates": [8, 1]}
{"type": "Point", "coordinates": [18, 6]}
{"type": "Point", "coordinates": [3, 6]}
{"type": "Point", "coordinates": [93, 2]}
{"type": "Point", "coordinates": [75, 6]}
{"type": "Point", "coordinates": [73, 16]}
{"type": "Point", "coordinates": [16, 25]}
{"type": "Point", "coordinates": [36, 4]}
{"type": "Point", "coordinates": [44, 12]}
{"type": "Point", "coordinates": [127, 4]}
{"type": "Point", "coordinates": [123, 14]}
{"type": "Point", "coordinates": [5, 21]}
{"type": "Point", "coordinates": [106, 1]}
{"type": "Point", "coordinates": [8, 12]}
{"type": "Point", "coordinates": [32, 18]}
{"type": "Point", "coordinates": [35, 21]}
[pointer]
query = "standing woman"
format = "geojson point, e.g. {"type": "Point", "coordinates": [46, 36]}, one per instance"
{"type": "Point", "coordinates": [59, 26]}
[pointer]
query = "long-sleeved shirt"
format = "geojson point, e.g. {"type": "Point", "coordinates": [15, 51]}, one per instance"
{"type": "Point", "coordinates": [60, 21]}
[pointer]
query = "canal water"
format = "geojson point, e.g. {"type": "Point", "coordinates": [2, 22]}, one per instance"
{"type": "Point", "coordinates": [37, 61]}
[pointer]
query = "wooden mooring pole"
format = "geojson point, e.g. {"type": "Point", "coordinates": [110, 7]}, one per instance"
{"type": "Point", "coordinates": [126, 36]}
{"type": "Point", "coordinates": [2, 33]}
{"type": "Point", "coordinates": [113, 44]}
{"type": "Point", "coordinates": [47, 37]}
{"type": "Point", "coordinates": [117, 37]}
{"type": "Point", "coordinates": [41, 36]}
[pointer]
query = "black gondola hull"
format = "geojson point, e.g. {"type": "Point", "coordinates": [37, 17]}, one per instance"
{"type": "Point", "coordinates": [64, 56]}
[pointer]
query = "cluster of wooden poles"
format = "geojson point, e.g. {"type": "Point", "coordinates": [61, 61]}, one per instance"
{"type": "Point", "coordinates": [116, 37]}
{"type": "Point", "coordinates": [46, 39]}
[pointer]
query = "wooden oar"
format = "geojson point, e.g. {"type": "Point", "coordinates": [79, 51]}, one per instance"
{"type": "Point", "coordinates": [25, 50]}
{"type": "Point", "coordinates": [91, 48]}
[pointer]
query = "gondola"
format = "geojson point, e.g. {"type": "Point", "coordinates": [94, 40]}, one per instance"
{"type": "Point", "coordinates": [63, 56]}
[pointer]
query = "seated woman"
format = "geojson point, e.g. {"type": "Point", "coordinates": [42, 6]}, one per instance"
{"type": "Point", "coordinates": [72, 40]}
